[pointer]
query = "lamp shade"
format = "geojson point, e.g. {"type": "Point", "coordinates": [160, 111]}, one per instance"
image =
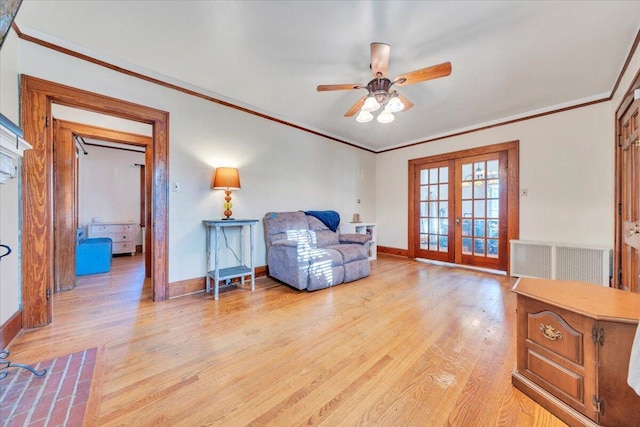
{"type": "Point", "coordinates": [385, 117]}
{"type": "Point", "coordinates": [226, 178]}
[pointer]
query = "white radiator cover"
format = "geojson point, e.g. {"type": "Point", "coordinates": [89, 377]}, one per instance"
{"type": "Point", "coordinates": [560, 261]}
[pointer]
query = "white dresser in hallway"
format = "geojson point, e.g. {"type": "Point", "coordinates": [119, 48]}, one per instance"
{"type": "Point", "coordinates": [121, 233]}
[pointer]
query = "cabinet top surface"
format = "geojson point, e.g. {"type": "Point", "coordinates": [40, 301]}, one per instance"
{"type": "Point", "coordinates": [229, 222]}
{"type": "Point", "coordinates": [597, 302]}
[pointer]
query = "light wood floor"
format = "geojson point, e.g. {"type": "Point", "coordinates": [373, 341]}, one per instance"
{"type": "Point", "coordinates": [414, 344]}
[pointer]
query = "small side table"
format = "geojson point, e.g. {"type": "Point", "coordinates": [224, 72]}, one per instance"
{"type": "Point", "coordinates": [228, 273]}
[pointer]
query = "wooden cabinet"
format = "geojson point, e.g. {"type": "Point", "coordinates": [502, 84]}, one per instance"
{"type": "Point", "coordinates": [367, 228]}
{"type": "Point", "coordinates": [574, 342]}
{"type": "Point", "coordinates": [122, 235]}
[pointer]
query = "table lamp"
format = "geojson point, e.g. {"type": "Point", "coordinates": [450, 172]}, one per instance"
{"type": "Point", "coordinates": [226, 179]}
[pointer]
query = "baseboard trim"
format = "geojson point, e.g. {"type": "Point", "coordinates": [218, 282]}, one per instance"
{"type": "Point", "coordinates": [198, 284]}
{"type": "Point", "coordinates": [10, 329]}
{"type": "Point", "coordinates": [393, 251]}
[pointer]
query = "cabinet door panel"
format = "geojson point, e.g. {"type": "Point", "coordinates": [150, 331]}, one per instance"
{"type": "Point", "coordinates": [550, 331]}
{"type": "Point", "coordinates": [566, 366]}
{"type": "Point", "coordinates": [557, 377]}
{"type": "Point", "coordinates": [613, 369]}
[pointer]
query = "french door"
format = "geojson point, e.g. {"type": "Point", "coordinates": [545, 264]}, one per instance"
{"type": "Point", "coordinates": [628, 229]}
{"type": "Point", "coordinates": [459, 209]}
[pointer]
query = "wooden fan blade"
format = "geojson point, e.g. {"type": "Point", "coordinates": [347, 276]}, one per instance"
{"type": "Point", "coordinates": [323, 88]}
{"type": "Point", "coordinates": [407, 104]}
{"type": "Point", "coordinates": [356, 107]}
{"type": "Point", "coordinates": [380, 58]}
{"type": "Point", "coordinates": [429, 73]}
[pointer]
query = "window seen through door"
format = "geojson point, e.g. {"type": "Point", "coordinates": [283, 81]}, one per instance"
{"type": "Point", "coordinates": [434, 209]}
{"type": "Point", "coordinates": [480, 208]}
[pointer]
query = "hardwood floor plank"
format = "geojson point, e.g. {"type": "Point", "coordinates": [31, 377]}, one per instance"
{"type": "Point", "coordinates": [414, 344]}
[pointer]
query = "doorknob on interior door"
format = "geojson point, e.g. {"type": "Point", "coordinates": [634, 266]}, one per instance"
{"type": "Point", "coordinates": [458, 220]}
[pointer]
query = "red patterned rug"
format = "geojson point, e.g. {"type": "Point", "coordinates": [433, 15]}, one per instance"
{"type": "Point", "coordinates": [66, 395]}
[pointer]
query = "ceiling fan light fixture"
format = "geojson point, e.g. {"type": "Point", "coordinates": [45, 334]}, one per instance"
{"type": "Point", "coordinates": [385, 117]}
{"type": "Point", "coordinates": [394, 105]}
{"type": "Point", "coordinates": [371, 104]}
{"type": "Point", "coordinates": [364, 117]}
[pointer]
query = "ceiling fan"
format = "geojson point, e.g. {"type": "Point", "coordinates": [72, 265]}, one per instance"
{"type": "Point", "coordinates": [379, 90]}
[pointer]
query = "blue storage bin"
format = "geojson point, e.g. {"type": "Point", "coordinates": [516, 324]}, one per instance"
{"type": "Point", "coordinates": [92, 255]}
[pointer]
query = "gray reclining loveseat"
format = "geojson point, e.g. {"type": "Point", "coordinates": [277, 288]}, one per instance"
{"type": "Point", "coordinates": [305, 253]}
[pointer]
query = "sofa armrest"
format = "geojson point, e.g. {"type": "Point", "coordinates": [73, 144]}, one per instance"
{"type": "Point", "coordinates": [354, 238]}
{"type": "Point", "coordinates": [288, 261]}
{"type": "Point", "coordinates": [288, 243]}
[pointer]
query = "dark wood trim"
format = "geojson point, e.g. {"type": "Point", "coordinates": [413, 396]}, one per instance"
{"type": "Point", "coordinates": [393, 251]}
{"type": "Point", "coordinates": [262, 271]}
{"type": "Point", "coordinates": [634, 46]}
{"type": "Point", "coordinates": [301, 128]}
{"type": "Point", "coordinates": [513, 199]}
{"type": "Point", "coordinates": [186, 287]}
{"type": "Point", "coordinates": [10, 329]}
{"type": "Point", "coordinates": [478, 151]}
{"type": "Point", "coordinates": [120, 137]}
{"type": "Point", "coordinates": [114, 148]}
{"type": "Point", "coordinates": [37, 248]}
{"type": "Point", "coordinates": [626, 103]}
{"type": "Point", "coordinates": [159, 82]}
{"type": "Point", "coordinates": [198, 284]}
{"type": "Point", "coordinates": [143, 196]}
{"type": "Point", "coordinates": [65, 200]}
{"type": "Point", "coordinates": [513, 184]}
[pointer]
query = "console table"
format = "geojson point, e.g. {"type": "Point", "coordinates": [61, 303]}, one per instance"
{"type": "Point", "coordinates": [213, 248]}
{"type": "Point", "coordinates": [574, 341]}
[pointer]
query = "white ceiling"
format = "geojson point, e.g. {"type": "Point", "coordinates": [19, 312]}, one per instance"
{"type": "Point", "coordinates": [509, 58]}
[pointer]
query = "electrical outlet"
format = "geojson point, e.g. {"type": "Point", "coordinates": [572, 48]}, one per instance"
{"type": "Point", "coordinates": [176, 187]}
{"type": "Point", "coordinates": [524, 192]}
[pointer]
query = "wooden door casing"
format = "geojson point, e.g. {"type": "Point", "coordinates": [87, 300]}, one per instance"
{"type": "Point", "coordinates": [627, 248]}
{"type": "Point", "coordinates": [64, 208]}
{"type": "Point", "coordinates": [511, 178]}
{"type": "Point", "coordinates": [37, 205]}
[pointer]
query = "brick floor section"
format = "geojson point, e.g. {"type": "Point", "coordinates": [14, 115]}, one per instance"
{"type": "Point", "coordinates": [59, 398]}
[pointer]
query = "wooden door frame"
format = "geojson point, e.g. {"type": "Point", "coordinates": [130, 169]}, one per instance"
{"type": "Point", "coordinates": [73, 129]}
{"type": "Point", "coordinates": [513, 187]}
{"type": "Point", "coordinates": [65, 214]}
{"type": "Point", "coordinates": [626, 102]}
{"type": "Point", "coordinates": [37, 224]}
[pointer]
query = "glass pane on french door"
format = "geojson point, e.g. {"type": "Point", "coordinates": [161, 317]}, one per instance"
{"type": "Point", "coordinates": [480, 201]}
{"type": "Point", "coordinates": [434, 209]}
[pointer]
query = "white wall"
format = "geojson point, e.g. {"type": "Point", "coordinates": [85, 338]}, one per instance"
{"type": "Point", "coordinates": [10, 287]}
{"type": "Point", "coordinates": [281, 168]}
{"type": "Point", "coordinates": [566, 163]}
{"type": "Point", "coordinates": [109, 186]}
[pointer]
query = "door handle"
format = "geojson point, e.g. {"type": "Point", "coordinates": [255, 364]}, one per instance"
{"type": "Point", "coordinates": [458, 221]}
